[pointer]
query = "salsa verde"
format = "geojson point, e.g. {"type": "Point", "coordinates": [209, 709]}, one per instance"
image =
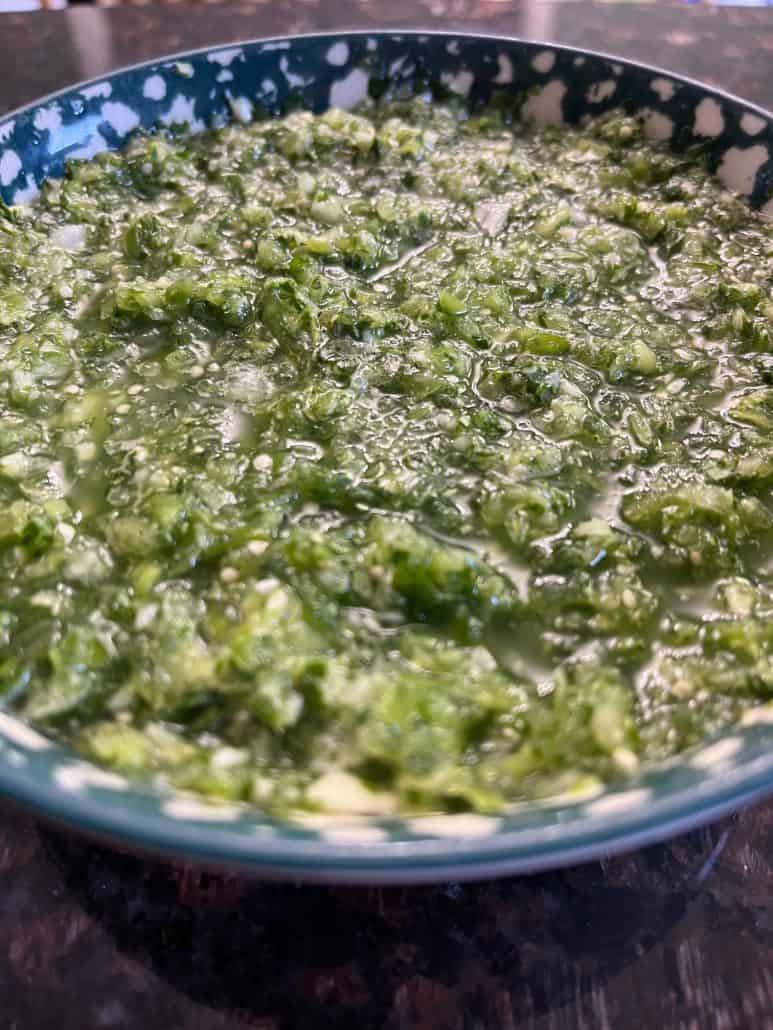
{"type": "Point", "coordinates": [408, 459]}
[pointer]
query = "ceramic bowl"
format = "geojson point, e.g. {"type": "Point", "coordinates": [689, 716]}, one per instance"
{"type": "Point", "coordinates": [210, 87]}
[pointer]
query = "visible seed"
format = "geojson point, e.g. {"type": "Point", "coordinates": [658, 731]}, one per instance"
{"type": "Point", "coordinates": [86, 451]}
{"type": "Point", "coordinates": [145, 616]}
{"type": "Point", "coordinates": [626, 760]}
{"type": "Point", "coordinates": [66, 531]}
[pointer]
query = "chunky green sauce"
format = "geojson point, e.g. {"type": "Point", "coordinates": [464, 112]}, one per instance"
{"type": "Point", "coordinates": [407, 459]}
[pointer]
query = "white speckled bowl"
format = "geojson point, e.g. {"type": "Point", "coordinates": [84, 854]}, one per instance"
{"type": "Point", "coordinates": [210, 86]}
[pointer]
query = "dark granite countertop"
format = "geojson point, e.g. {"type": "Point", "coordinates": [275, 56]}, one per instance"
{"type": "Point", "coordinates": [728, 47]}
{"type": "Point", "coordinates": [674, 936]}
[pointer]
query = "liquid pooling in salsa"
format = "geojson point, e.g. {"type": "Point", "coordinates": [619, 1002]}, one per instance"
{"type": "Point", "coordinates": [402, 460]}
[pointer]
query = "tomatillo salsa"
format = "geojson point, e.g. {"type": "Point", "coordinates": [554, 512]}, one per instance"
{"type": "Point", "coordinates": [408, 459]}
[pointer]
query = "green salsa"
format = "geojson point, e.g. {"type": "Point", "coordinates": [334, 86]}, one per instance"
{"type": "Point", "coordinates": [410, 459]}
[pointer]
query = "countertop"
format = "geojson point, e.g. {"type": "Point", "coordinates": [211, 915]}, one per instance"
{"type": "Point", "coordinates": [674, 936]}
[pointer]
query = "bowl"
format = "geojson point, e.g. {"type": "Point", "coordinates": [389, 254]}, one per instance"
{"type": "Point", "coordinates": [212, 86]}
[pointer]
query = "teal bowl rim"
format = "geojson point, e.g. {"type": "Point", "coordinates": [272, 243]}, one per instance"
{"type": "Point", "coordinates": [702, 785]}
{"type": "Point", "coordinates": [698, 786]}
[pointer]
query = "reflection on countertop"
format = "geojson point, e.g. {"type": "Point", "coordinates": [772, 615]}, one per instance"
{"type": "Point", "coordinates": [678, 935]}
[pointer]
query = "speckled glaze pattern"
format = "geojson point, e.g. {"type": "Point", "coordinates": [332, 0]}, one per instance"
{"type": "Point", "coordinates": [213, 86]}
{"type": "Point", "coordinates": [243, 82]}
